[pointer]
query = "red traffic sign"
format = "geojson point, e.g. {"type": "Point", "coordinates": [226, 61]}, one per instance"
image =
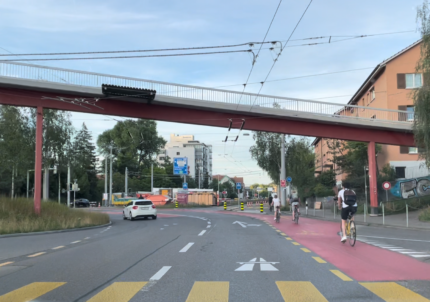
{"type": "Point", "coordinates": [255, 195]}
{"type": "Point", "coordinates": [224, 192]}
{"type": "Point", "coordinates": [386, 185]}
{"type": "Point", "coordinates": [283, 183]}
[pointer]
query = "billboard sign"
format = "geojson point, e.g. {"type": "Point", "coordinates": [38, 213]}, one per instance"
{"type": "Point", "coordinates": [180, 165]}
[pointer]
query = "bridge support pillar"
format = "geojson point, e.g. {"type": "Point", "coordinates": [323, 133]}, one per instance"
{"type": "Point", "coordinates": [38, 160]}
{"type": "Point", "coordinates": [372, 179]}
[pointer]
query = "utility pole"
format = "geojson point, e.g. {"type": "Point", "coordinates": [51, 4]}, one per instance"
{"type": "Point", "coordinates": [13, 180]}
{"type": "Point", "coordinates": [106, 178]}
{"type": "Point", "coordinates": [199, 177]}
{"type": "Point", "coordinates": [59, 186]}
{"type": "Point", "coordinates": [152, 177]}
{"type": "Point", "coordinates": [282, 168]}
{"type": "Point", "coordinates": [110, 177]}
{"type": "Point", "coordinates": [74, 193]}
{"type": "Point", "coordinates": [68, 185]}
{"type": "Point", "coordinates": [28, 180]}
{"type": "Point", "coordinates": [126, 182]}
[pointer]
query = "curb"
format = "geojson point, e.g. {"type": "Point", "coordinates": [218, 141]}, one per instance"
{"type": "Point", "coordinates": [57, 231]}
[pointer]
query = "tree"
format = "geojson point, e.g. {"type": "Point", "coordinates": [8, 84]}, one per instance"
{"type": "Point", "coordinates": [421, 96]}
{"type": "Point", "coordinates": [267, 152]}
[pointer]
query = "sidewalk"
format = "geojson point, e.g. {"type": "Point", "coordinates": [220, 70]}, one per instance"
{"type": "Point", "coordinates": [397, 220]}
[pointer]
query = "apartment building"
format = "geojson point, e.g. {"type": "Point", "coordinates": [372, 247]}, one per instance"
{"type": "Point", "coordinates": [389, 86]}
{"type": "Point", "coordinates": [199, 155]}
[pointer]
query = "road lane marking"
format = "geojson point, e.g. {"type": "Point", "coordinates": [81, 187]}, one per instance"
{"type": "Point", "coordinates": [160, 273]}
{"type": "Point", "coordinates": [395, 238]}
{"type": "Point", "coordinates": [118, 292]}
{"type": "Point", "coordinates": [161, 229]}
{"type": "Point", "coordinates": [283, 234]}
{"type": "Point", "coordinates": [247, 266]}
{"type": "Point", "coordinates": [268, 267]}
{"type": "Point", "coordinates": [398, 250]}
{"type": "Point", "coordinates": [202, 232]}
{"type": "Point", "coordinates": [208, 226]}
{"type": "Point", "coordinates": [278, 231]}
{"type": "Point", "coordinates": [58, 247]}
{"type": "Point", "coordinates": [186, 248]}
{"type": "Point", "coordinates": [87, 238]}
{"type": "Point", "coordinates": [319, 260]}
{"type": "Point", "coordinates": [295, 243]}
{"type": "Point", "coordinates": [37, 254]}
{"type": "Point", "coordinates": [30, 292]}
{"type": "Point", "coordinates": [75, 241]}
{"type": "Point", "coordinates": [209, 291]}
{"type": "Point", "coordinates": [341, 275]}
{"type": "Point", "coordinates": [420, 256]}
{"type": "Point", "coordinates": [6, 263]}
{"type": "Point", "coordinates": [305, 250]}
{"type": "Point", "coordinates": [209, 222]}
{"type": "Point", "coordinates": [411, 252]}
{"type": "Point", "coordinates": [391, 292]}
{"type": "Point", "coordinates": [288, 238]}
{"type": "Point", "coordinates": [299, 291]}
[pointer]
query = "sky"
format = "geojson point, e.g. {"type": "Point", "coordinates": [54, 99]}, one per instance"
{"type": "Point", "coordinates": [28, 26]}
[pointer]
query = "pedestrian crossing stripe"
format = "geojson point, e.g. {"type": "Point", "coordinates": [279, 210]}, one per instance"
{"type": "Point", "coordinates": [202, 291]}
{"type": "Point", "coordinates": [341, 275]}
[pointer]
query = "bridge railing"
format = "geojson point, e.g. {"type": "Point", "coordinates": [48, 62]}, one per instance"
{"type": "Point", "coordinates": [91, 79]}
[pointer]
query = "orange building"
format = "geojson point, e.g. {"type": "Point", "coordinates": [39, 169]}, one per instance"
{"type": "Point", "coordinates": [389, 86]}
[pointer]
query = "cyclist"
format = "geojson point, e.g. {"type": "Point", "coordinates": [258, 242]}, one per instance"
{"type": "Point", "coordinates": [347, 201]}
{"type": "Point", "coordinates": [276, 205]}
{"type": "Point", "coordinates": [270, 202]}
{"type": "Point", "coordinates": [295, 202]}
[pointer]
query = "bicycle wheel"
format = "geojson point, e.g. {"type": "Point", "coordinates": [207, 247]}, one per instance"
{"type": "Point", "coordinates": [352, 233]}
{"type": "Point", "coordinates": [296, 216]}
{"type": "Point", "coordinates": [277, 217]}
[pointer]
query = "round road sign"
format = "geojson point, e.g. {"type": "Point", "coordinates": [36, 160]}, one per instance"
{"type": "Point", "coordinates": [224, 192]}
{"type": "Point", "coordinates": [386, 185]}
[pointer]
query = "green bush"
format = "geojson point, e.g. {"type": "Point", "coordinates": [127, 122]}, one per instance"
{"type": "Point", "coordinates": [424, 215]}
{"type": "Point", "coordinates": [17, 216]}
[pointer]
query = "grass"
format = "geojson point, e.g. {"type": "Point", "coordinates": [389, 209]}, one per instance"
{"type": "Point", "coordinates": [424, 215]}
{"type": "Point", "coordinates": [17, 216]}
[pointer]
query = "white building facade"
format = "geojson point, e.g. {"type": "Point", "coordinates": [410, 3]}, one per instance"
{"type": "Point", "coordinates": [199, 155]}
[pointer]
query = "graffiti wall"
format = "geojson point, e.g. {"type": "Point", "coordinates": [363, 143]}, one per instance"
{"type": "Point", "coordinates": [409, 188]}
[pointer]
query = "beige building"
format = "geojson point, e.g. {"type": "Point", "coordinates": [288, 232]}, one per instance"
{"type": "Point", "coordinates": [389, 86]}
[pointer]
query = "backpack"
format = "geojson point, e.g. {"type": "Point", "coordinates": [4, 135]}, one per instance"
{"type": "Point", "coordinates": [349, 197]}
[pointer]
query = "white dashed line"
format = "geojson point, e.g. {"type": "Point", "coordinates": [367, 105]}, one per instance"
{"type": "Point", "coordinates": [87, 238]}
{"type": "Point", "coordinates": [202, 233]}
{"type": "Point", "coordinates": [58, 247]}
{"type": "Point", "coordinates": [160, 273]}
{"type": "Point", "coordinates": [161, 229]}
{"type": "Point", "coordinates": [208, 226]}
{"type": "Point", "coordinates": [166, 225]}
{"type": "Point", "coordinates": [420, 256]}
{"type": "Point", "coordinates": [75, 242]}
{"type": "Point", "coordinates": [38, 254]}
{"type": "Point", "coordinates": [186, 248]}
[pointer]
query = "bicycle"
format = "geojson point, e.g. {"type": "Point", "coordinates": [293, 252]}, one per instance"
{"type": "Point", "coordinates": [296, 214]}
{"type": "Point", "coordinates": [350, 230]}
{"type": "Point", "coordinates": [278, 215]}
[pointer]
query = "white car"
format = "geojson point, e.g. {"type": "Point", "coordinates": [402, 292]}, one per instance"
{"type": "Point", "coordinates": [139, 208]}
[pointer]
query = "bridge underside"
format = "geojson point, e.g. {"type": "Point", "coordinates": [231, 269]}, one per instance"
{"type": "Point", "coordinates": [206, 117]}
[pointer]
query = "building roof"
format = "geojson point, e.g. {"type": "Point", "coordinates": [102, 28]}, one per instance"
{"type": "Point", "coordinates": [235, 178]}
{"type": "Point", "coordinates": [379, 69]}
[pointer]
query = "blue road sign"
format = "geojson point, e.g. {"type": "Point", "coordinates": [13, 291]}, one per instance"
{"type": "Point", "coordinates": [289, 179]}
{"type": "Point", "coordinates": [238, 186]}
{"type": "Point", "coordinates": [185, 186]}
{"type": "Point", "coordinates": [180, 165]}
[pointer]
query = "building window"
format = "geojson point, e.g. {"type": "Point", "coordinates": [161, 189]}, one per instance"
{"type": "Point", "coordinates": [372, 94]}
{"type": "Point", "coordinates": [400, 172]}
{"type": "Point", "coordinates": [413, 150]}
{"type": "Point", "coordinates": [178, 153]}
{"type": "Point", "coordinates": [410, 110]}
{"type": "Point", "coordinates": [413, 80]}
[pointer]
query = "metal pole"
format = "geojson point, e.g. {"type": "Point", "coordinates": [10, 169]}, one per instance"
{"type": "Point", "coordinates": [126, 180]}
{"type": "Point", "coordinates": [152, 178]}
{"type": "Point", "coordinates": [383, 214]}
{"type": "Point", "coordinates": [13, 175]}
{"type": "Point", "coordinates": [38, 160]}
{"type": "Point", "coordinates": [334, 210]}
{"type": "Point", "coordinates": [238, 192]}
{"type": "Point", "coordinates": [323, 209]}
{"type": "Point", "coordinates": [74, 194]}
{"type": "Point", "coordinates": [283, 168]}
{"type": "Point", "coordinates": [110, 178]}
{"type": "Point", "coordinates": [28, 180]}
{"type": "Point", "coordinates": [68, 185]}
{"type": "Point", "coordinates": [59, 186]}
{"type": "Point", "coordinates": [106, 179]}
{"type": "Point", "coordinates": [407, 216]}
{"type": "Point", "coordinates": [365, 193]}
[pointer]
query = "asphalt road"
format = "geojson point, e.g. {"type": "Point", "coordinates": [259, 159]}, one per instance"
{"type": "Point", "coordinates": [191, 255]}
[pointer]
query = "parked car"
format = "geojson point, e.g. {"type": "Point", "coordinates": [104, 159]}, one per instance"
{"type": "Point", "coordinates": [82, 202]}
{"type": "Point", "coordinates": [140, 208]}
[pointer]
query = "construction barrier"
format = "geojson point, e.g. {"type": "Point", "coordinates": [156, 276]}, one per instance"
{"type": "Point", "coordinates": [225, 205]}
{"type": "Point", "coordinates": [249, 203]}
{"type": "Point", "coordinates": [261, 207]}
{"type": "Point", "coordinates": [241, 206]}
{"type": "Point", "coordinates": [176, 204]}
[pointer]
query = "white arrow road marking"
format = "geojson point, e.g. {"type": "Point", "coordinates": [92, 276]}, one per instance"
{"type": "Point", "coordinates": [242, 224]}
{"type": "Point", "coordinates": [264, 265]}
{"type": "Point", "coordinates": [246, 266]}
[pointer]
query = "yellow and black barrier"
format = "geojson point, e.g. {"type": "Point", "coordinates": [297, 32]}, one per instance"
{"type": "Point", "coordinates": [241, 206]}
{"type": "Point", "coordinates": [176, 204]}
{"type": "Point", "coordinates": [261, 207]}
{"type": "Point", "coordinates": [225, 205]}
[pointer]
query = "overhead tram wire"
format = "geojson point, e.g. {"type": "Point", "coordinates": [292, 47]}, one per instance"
{"type": "Point", "coordinates": [253, 63]}
{"type": "Point", "coordinates": [126, 57]}
{"type": "Point", "coordinates": [276, 60]}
